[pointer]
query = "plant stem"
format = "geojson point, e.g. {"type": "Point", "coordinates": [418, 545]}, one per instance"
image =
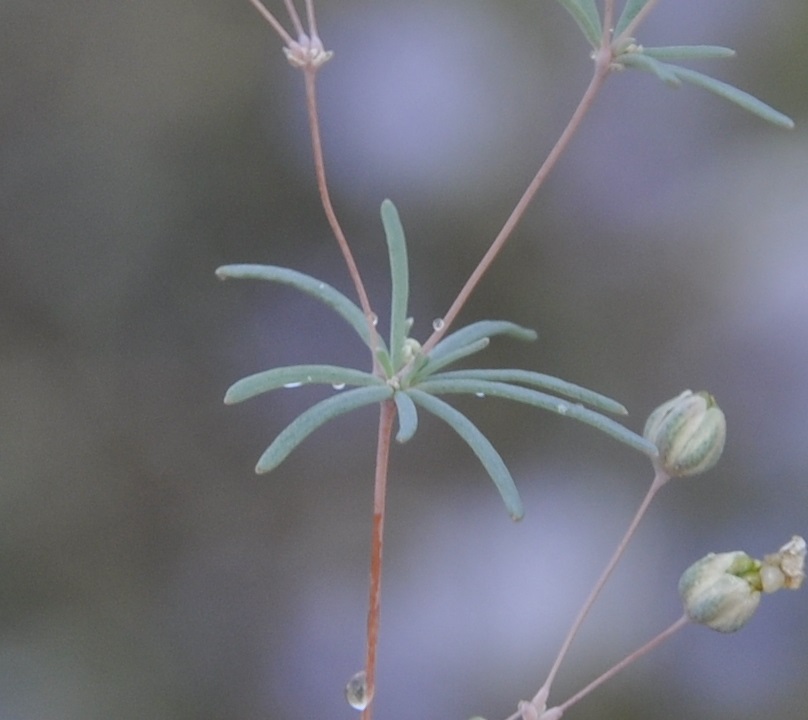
{"type": "Point", "coordinates": [625, 662]}
{"type": "Point", "coordinates": [659, 480]}
{"type": "Point", "coordinates": [608, 19]}
{"type": "Point", "coordinates": [310, 74]}
{"type": "Point", "coordinates": [290, 8]}
{"type": "Point", "coordinates": [602, 61]}
{"type": "Point", "coordinates": [270, 18]}
{"type": "Point", "coordinates": [634, 24]}
{"type": "Point", "coordinates": [386, 417]}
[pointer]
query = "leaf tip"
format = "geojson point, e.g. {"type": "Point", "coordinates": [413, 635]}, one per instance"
{"type": "Point", "coordinates": [262, 468]}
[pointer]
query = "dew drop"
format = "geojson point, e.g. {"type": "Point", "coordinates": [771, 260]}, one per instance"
{"type": "Point", "coordinates": [437, 324]}
{"type": "Point", "coordinates": [292, 384]}
{"type": "Point", "coordinates": [562, 408]}
{"type": "Point", "coordinates": [480, 394]}
{"type": "Point", "coordinates": [356, 691]}
{"type": "Point", "coordinates": [338, 386]}
{"type": "Point", "coordinates": [374, 319]}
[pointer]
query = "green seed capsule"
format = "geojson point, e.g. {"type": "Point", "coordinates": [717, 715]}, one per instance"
{"type": "Point", "coordinates": [689, 432]}
{"type": "Point", "coordinates": [718, 591]}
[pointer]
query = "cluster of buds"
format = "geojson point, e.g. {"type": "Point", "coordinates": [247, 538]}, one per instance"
{"type": "Point", "coordinates": [723, 590]}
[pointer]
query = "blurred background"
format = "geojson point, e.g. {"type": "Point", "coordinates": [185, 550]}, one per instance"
{"type": "Point", "coordinates": [146, 572]}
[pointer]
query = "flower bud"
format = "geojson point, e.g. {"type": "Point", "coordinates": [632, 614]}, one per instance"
{"type": "Point", "coordinates": [721, 590]}
{"type": "Point", "coordinates": [689, 432]}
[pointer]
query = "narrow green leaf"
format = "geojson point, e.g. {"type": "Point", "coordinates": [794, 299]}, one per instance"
{"type": "Point", "coordinates": [479, 443]}
{"type": "Point", "coordinates": [733, 94]}
{"type": "Point", "coordinates": [688, 52]}
{"type": "Point", "coordinates": [641, 61]}
{"type": "Point", "coordinates": [399, 273]}
{"type": "Point", "coordinates": [630, 10]}
{"type": "Point", "coordinates": [407, 416]}
{"type": "Point", "coordinates": [546, 402]}
{"type": "Point", "coordinates": [307, 422]}
{"type": "Point", "coordinates": [476, 331]}
{"type": "Point", "coordinates": [338, 302]}
{"type": "Point", "coordinates": [445, 359]}
{"type": "Point", "coordinates": [539, 380]}
{"type": "Point", "coordinates": [294, 376]}
{"type": "Point", "coordinates": [585, 13]}
{"type": "Point", "coordinates": [384, 360]}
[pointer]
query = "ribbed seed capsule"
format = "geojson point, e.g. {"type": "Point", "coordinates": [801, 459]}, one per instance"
{"type": "Point", "coordinates": [719, 590]}
{"type": "Point", "coordinates": [689, 432]}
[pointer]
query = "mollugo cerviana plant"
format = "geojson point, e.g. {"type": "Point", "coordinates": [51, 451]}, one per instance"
{"type": "Point", "coordinates": [403, 377]}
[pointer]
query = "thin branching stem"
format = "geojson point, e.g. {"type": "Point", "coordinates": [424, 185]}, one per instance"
{"type": "Point", "coordinates": [311, 18]}
{"type": "Point", "coordinates": [270, 18]}
{"type": "Point", "coordinates": [294, 17]}
{"type": "Point", "coordinates": [608, 19]}
{"type": "Point", "coordinates": [660, 478]}
{"type": "Point", "coordinates": [601, 72]}
{"type": "Point", "coordinates": [634, 24]}
{"type": "Point", "coordinates": [310, 74]}
{"type": "Point", "coordinates": [625, 662]}
{"type": "Point", "coordinates": [386, 418]}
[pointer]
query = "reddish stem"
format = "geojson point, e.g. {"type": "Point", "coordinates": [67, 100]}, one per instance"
{"type": "Point", "coordinates": [659, 481]}
{"type": "Point", "coordinates": [386, 418]}
{"type": "Point", "coordinates": [624, 663]}
{"type": "Point", "coordinates": [601, 72]}
{"type": "Point", "coordinates": [310, 74]}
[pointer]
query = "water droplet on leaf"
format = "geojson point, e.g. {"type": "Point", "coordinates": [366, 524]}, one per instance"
{"type": "Point", "coordinates": [480, 394]}
{"type": "Point", "coordinates": [338, 386]}
{"type": "Point", "coordinates": [356, 691]}
{"type": "Point", "coordinates": [374, 319]}
{"type": "Point", "coordinates": [562, 408]}
{"type": "Point", "coordinates": [292, 384]}
{"type": "Point", "coordinates": [437, 324]}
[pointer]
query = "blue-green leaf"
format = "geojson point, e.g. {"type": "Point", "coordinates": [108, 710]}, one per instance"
{"type": "Point", "coordinates": [338, 302]}
{"type": "Point", "coordinates": [476, 331]}
{"type": "Point", "coordinates": [407, 416]}
{"type": "Point", "coordinates": [733, 94]}
{"type": "Point", "coordinates": [641, 61]}
{"type": "Point", "coordinates": [630, 10]}
{"type": "Point", "coordinates": [688, 52]}
{"type": "Point", "coordinates": [538, 380]}
{"type": "Point", "coordinates": [482, 447]}
{"type": "Point", "coordinates": [546, 402]}
{"type": "Point", "coordinates": [399, 273]}
{"type": "Point", "coordinates": [585, 13]}
{"type": "Point", "coordinates": [448, 358]}
{"type": "Point", "coordinates": [294, 376]}
{"type": "Point", "coordinates": [307, 422]}
{"type": "Point", "coordinates": [385, 362]}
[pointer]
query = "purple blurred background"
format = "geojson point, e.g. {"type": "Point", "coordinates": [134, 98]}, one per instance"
{"type": "Point", "coordinates": [147, 573]}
